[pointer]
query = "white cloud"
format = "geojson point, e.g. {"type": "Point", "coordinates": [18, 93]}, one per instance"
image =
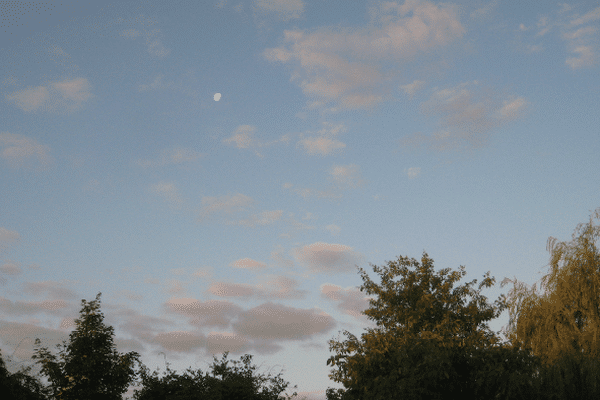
{"type": "Point", "coordinates": [350, 300]}
{"type": "Point", "coordinates": [413, 172]}
{"type": "Point", "coordinates": [585, 59]}
{"type": "Point", "coordinates": [157, 83]}
{"type": "Point", "coordinates": [346, 66]}
{"type": "Point", "coordinates": [154, 45]}
{"type": "Point", "coordinates": [175, 155]}
{"type": "Point", "coordinates": [264, 218]}
{"type": "Point", "coordinates": [242, 137]}
{"type": "Point", "coordinates": [283, 9]}
{"type": "Point", "coordinates": [227, 204]}
{"type": "Point", "coordinates": [8, 236]}
{"type": "Point", "coordinates": [168, 191]}
{"type": "Point", "coordinates": [325, 143]}
{"type": "Point", "coordinates": [327, 258]}
{"type": "Point", "coordinates": [62, 96]}
{"type": "Point", "coordinates": [333, 229]}
{"type": "Point", "coordinates": [18, 149]}
{"type": "Point", "coordinates": [467, 113]}
{"type": "Point", "coordinates": [248, 263]}
{"type": "Point", "coordinates": [590, 16]}
{"type": "Point", "coordinates": [346, 176]}
{"type": "Point", "coordinates": [413, 87]}
{"type": "Point", "coordinates": [10, 269]}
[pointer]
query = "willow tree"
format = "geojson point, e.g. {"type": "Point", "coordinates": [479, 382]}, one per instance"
{"type": "Point", "coordinates": [429, 342]}
{"type": "Point", "coordinates": [90, 367]}
{"type": "Point", "coordinates": [561, 325]}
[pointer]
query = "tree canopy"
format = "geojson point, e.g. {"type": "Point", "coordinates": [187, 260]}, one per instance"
{"type": "Point", "coordinates": [429, 342]}
{"type": "Point", "coordinates": [233, 383]}
{"type": "Point", "coordinates": [562, 324]}
{"type": "Point", "coordinates": [90, 367]}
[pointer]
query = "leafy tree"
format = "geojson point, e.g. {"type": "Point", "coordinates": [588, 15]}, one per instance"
{"type": "Point", "coordinates": [90, 367]}
{"type": "Point", "coordinates": [233, 383]}
{"type": "Point", "coordinates": [20, 385]}
{"type": "Point", "coordinates": [562, 325]}
{"type": "Point", "coordinates": [429, 343]}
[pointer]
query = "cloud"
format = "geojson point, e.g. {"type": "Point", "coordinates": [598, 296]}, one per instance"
{"type": "Point", "coordinates": [264, 218]}
{"type": "Point", "coordinates": [283, 9]}
{"type": "Point", "coordinates": [10, 269]}
{"type": "Point", "coordinates": [248, 263]}
{"type": "Point", "coordinates": [346, 176]}
{"type": "Point", "coordinates": [168, 191]}
{"type": "Point", "coordinates": [175, 155]}
{"type": "Point", "coordinates": [153, 43]}
{"type": "Point", "coordinates": [19, 308]}
{"type": "Point", "coordinates": [586, 57]}
{"type": "Point", "coordinates": [413, 87]}
{"type": "Point", "coordinates": [413, 172]}
{"type": "Point", "coordinates": [325, 143]}
{"type": "Point", "coordinates": [8, 236]}
{"type": "Point", "coordinates": [62, 96]}
{"type": "Point", "coordinates": [580, 39]}
{"type": "Point", "coordinates": [157, 83]}
{"type": "Point", "coordinates": [18, 149]}
{"type": "Point", "coordinates": [55, 290]}
{"type": "Point", "coordinates": [346, 67]}
{"type": "Point", "coordinates": [327, 258]}
{"type": "Point", "coordinates": [227, 204]}
{"type": "Point", "coordinates": [350, 301]}
{"type": "Point", "coordinates": [243, 138]}
{"type": "Point", "coordinates": [212, 313]}
{"type": "Point", "coordinates": [276, 322]}
{"type": "Point", "coordinates": [467, 113]}
{"type": "Point", "coordinates": [333, 229]}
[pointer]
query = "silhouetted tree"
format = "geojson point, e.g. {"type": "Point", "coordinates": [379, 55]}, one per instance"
{"type": "Point", "coordinates": [20, 385]}
{"type": "Point", "coordinates": [90, 367]}
{"type": "Point", "coordinates": [234, 383]}
{"type": "Point", "coordinates": [428, 342]}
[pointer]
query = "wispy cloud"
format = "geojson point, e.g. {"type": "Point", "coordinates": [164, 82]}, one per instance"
{"type": "Point", "coordinates": [64, 96]}
{"type": "Point", "coordinates": [346, 66]}
{"type": "Point", "coordinates": [18, 150]}
{"type": "Point", "coordinates": [467, 113]}
{"type": "Point", "coordinates": [249, 264]}
{"type": "Point", "coordinates": [175, 155]}
{"type": "Point", "coordinates": [169, 192]}
{"type": "Point", "coordinates": [243, 138]}
{"type": "Point", "coordinates": [227, 204]}
{"type": "Point", "coordinates": [581, 38]}
{"type": "Point", "coordinates": [261, 219]}
{"type": "Point", "coordinates": [154, 43]}
{"type": "Point", "coordinates": [328, 258]}
{"type": "Point", "coordinates": [324, 142]}
{"type": "Point", "coordinates": [413, 172]}
{"type": "Point", "coordinates": [346, 176]}
{"type": "Point", "coordinates": [283, 10]}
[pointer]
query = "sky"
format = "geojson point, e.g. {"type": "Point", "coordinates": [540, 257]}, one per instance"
{"type": "Point", "coordinates": [220, 170]}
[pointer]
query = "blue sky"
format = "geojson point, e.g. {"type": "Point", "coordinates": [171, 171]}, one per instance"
{"type": "Point", "coordinates": [346, 133]}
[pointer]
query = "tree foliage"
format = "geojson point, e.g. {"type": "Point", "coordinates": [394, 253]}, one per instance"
{"type": "Point", "coordinates": [562, 324]}
{"type": "Point", "coordinates": [225, 383]}
{"type": "Point", "coordinates": [429, 342]}
{"type": "Point", "coordinates": [20, 385]}
{"type": "Point", "coordinates": [90, 367]}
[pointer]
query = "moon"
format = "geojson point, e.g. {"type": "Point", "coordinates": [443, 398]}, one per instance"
{"type": "Point", "coordinates": [217, 96]}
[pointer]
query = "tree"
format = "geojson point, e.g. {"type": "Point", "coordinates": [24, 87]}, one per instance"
{"type": "Point", "coordinates": [90, 367]}
{"type": "Point", "coordinates": [428, 342]}
{"type": "Point", "coordinates": [20, 385]}
{"type": "Point", "coordinates": [234, 383]}
{"type": "Point", "coordinates": [562, 325]}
